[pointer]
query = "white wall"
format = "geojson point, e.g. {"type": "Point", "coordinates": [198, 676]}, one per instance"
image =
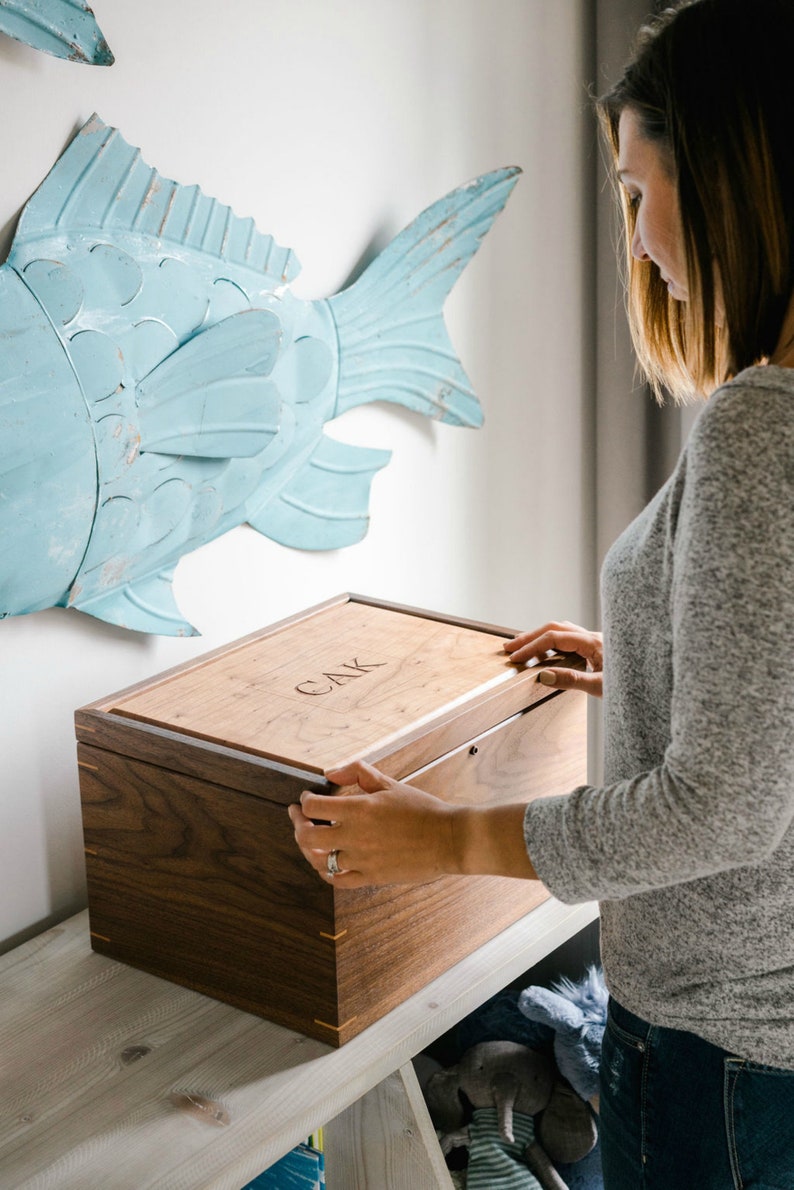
{"type": "Point", "coordinates": [333, 123]}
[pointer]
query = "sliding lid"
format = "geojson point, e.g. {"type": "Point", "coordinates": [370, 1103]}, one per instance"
{"type": "Point", "coordinates": [349, 680]}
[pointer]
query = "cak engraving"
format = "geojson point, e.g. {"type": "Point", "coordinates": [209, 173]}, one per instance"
{"type": "Point", "coordinates": [327, 681]}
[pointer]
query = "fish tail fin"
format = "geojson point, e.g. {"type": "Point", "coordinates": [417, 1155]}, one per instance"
{"type": "Point", "coordinates": [393, 344]}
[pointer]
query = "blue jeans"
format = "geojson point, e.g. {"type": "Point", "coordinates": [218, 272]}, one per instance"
{"type": "Point", "coordinates": [680, 1114]}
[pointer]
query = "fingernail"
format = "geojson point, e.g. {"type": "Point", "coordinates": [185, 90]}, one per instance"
{"type": "Point", "coordinates": [547, 677]}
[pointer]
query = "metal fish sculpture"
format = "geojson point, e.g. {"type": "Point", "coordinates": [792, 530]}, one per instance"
{"type": "Point", "coordinates": [64, 28]}
{"type": "Point", "coordinates": [160, 384]}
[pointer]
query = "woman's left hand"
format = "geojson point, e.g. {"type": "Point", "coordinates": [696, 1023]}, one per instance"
{"type": "Point", "coordinates": [389, 833]}
{"type": "Point", "coordinates": [562, 637]}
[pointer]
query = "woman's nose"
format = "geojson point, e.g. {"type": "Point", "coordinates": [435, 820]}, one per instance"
{"type": "Point", "coordinates": [637, 246]}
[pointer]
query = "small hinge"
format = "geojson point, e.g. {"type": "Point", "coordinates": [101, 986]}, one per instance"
{"type": "Point", "coordinates": [333, 937]}
{"type": "Point", "coordinates": [90, 851]}
{"type": "Point", "coordinates": [82, 764]}
{"type": "Point", "coordinates": [101, 937]}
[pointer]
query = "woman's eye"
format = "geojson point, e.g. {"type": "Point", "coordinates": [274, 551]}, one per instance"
{"type": "Point", "coordinates": [633, 201]}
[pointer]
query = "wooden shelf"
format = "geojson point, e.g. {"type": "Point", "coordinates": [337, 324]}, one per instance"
{"type": "Point", "coordinates": [114, 1078]}
{"type": "Point", "coordinates": [386, 1140]}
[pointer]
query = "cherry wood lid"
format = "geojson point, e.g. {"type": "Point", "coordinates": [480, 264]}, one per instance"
{"type": "Point", "coordinates": [344, 681]}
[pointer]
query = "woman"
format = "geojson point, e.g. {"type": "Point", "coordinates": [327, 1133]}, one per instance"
{"type": "Point", "coordinates": [689, 844]}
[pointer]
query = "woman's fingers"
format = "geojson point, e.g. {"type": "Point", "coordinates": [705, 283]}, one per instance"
{"type": "Point", "coordinates": [323, 811]}
{"type": "Point", "coordinates": [318, 819]}
{"type": "Point", "coordinates": [388, 833]}
{"type": "Point", "coordinates": [368, 779]}
{"type": "Point", "coordinates": [572, 679]}
{"type": "Point", "coordinates": [317, 840]}
{"type": "Point", "coordinates": [318, 844]}
{"type": "Point", "coordinates": [560, 638]}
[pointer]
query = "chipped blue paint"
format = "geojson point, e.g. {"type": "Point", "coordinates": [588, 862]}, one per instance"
{"type": "Point", "coordinates": [160, 384]}
{"type": "Point", "coordinates": [65, 28]}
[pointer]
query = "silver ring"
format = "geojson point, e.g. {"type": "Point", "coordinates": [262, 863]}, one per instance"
{"type": "Point", "coordinates": [332, 863]}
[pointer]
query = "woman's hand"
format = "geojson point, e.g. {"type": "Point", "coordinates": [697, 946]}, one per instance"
{"type": "Point", "coordinates": [389, 833]}
{"type": "Point", "coordinates": [562, 637]}
{"type": "Point", "coordinates": [394, 833]}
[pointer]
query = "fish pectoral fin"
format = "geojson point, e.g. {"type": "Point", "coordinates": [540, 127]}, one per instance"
{"type": "Point", "coordinates": [146, 605]}
{"type": "Point", "coordinates": [211, 397]}
{"type": "Point", "coordinates": [325, 506]}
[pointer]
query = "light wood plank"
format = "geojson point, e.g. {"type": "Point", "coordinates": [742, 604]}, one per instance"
{"type": "Point", "coordinates": [386, 1140]}
{"type": "Point", "coordinates": [114, 1078]}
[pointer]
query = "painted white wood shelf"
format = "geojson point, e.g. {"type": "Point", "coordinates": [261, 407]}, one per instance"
{"type": "Point", "coordinates": [112, 1078]}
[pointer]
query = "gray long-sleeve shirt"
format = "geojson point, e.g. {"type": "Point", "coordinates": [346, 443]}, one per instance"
{"type": "Point", "coordinates": [689, 845]}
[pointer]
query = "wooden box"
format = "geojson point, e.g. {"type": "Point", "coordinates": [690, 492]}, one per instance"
{"type": "Point", "coordinates": [193, 870]}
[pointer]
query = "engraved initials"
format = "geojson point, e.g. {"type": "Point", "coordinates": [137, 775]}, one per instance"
{"type": "Point", "coordinates": [326, 683]}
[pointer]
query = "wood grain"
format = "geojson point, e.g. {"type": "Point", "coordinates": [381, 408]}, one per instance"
{"type": "Point", "coordinates": [205, 886]}
{"type": "Point", "coordinates": [349, 681]}
{"type": "Point", "coordinates": [399, 937]}
{"type": "Point", "coordinates": [75, 1113]}
{"type": "Point", "coordinates": [179, 753]}
{"type": "Point", "coordinates": [386, 1139]}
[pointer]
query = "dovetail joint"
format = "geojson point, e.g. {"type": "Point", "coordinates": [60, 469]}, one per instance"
{"type": "Point", "coordinates": [334, 1028]}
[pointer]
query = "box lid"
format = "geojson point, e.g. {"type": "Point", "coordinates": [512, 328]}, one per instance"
{"type": "Point", "coordinates": [350, 679]}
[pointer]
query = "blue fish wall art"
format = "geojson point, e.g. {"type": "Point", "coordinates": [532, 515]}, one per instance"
{"type": "Point", "coordinates": [160, 384]}
{"type": "Point", "coordinates": [64, 28]}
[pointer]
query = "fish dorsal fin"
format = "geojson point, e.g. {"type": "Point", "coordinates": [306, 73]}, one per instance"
{"type": "Point", "coordinates": [101, 182]}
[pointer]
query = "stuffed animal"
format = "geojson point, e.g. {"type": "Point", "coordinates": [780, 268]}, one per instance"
{"type": "Point", "coordinates": [577, 1013]}
{"type": "Point", "coordinates": [507, 1086]}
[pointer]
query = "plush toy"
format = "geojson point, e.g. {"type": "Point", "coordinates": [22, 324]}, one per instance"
{"type": "Point", "coordinates": [507, 1086]}
{"type": "Point", "coordinates": [500, 1019]}
{"type": "Point", "coordinates": [577, 1013]}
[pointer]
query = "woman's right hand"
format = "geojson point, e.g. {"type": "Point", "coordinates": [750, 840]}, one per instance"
{"type": "Point", "coordinates": [562, 637]}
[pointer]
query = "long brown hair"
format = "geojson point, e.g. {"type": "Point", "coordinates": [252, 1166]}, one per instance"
{"type": "Point", "coordinates": [712, 84]}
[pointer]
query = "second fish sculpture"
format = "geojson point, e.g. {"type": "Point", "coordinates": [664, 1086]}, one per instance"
{"type": "Point", "coordinates": [160, 384]}
{"type": "Point", "coordinates": [63, 28]}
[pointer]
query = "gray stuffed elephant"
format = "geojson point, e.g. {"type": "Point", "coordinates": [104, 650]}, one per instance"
{"type": "Point", "coordinates": [517, 1084]}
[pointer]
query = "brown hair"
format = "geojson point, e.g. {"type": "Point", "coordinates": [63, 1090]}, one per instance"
{"type": "Point", "coordinates": [712, 83]}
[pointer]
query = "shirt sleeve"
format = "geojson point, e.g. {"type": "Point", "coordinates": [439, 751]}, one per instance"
{"type": "Point", "coordinates": [723, 795]}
